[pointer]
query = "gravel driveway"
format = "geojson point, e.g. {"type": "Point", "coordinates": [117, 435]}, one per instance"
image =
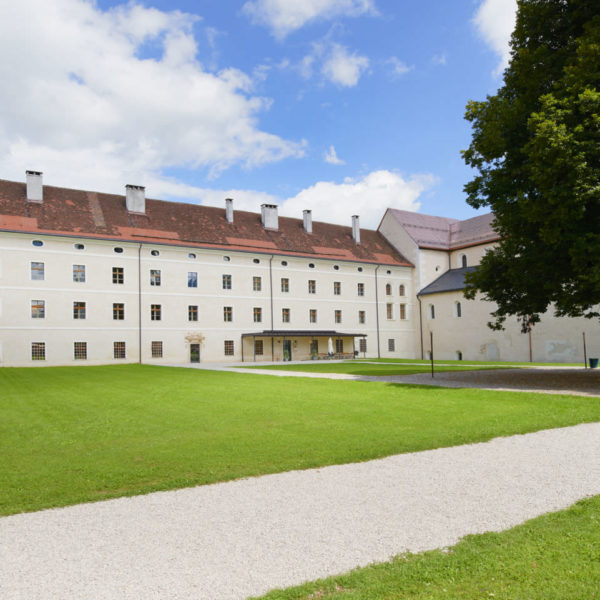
{"type": "Point", "coordinates": [231, 540]}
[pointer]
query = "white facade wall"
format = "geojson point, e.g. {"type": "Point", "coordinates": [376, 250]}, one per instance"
{"type": "Point", "coordinates": [59, 330]}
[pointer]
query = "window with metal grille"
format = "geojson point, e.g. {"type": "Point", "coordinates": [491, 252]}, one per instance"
{"type": "Point", "coordinates": [362, 345]}
{"type": "Point", "coordinates": [312, 286]}
{"type": "Point", "coordinates": [285, 315]}
{"type": "Point", "coordinates": [118, 349]}
{"type": "Point", "coordinates": [285, 284]}
{"type": "Point", "coordinates": [392, 345]}
{"type": "Point", "coordinates": [257, 284]}
{"type": "Point", "coordinates": [118, 275]}
{"type": "Point", "coordinates": [258, 347]}
{"type": "Point", "coordinates": [38, 309]}
{"type": "Point", "coordinates": [337, 316]}
{"type": "Point", "coordinates": [38, 350]}
{"type": "Point", "coordinates": [337, 288]}
{"type": "Point", "coordinates": [79, 310]}
{"type": "Point", "coordinates": [257, 314]}
{"type": "Point", "coordinates": [118, 311]}
{"type": "Point", "coordinates": [360, 288]}
{"type": "Point", "coordinates": [155, 277]}
{"type": "Point", "coordinates": [192, 312]}
{"type": "Point", "coordinates": [80, 350]}
{"type": "Point", "coordinates": [226, 282]}
{"type": "Point", "coordinates": [79, 273]}
{"type": "Point", "coordinates": [192, 279]}
{"type": "Point", "coordinates": [37, 271]}
{"type": "Point", "coordinates": [228, 313]}
{"type": "Point", "coordinates": [403, 312]}
{"type": "Point", "coordinates": [339, 346]}
{"type": "Point", "coordinates": [361, 317]}
{"type": "Point", "coordinates": [156, 349]}
{"type": "Point", "coordinates": [155, 312]}
{"type": "Point", "coordinates": [228, 347]}
{"type": "Point", "coordinates": [312, 315]}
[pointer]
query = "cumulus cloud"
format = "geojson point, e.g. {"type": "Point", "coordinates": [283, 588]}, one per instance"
{"type": "Point", "coordinates": [399, 67]}
{"type": "Point", "coordinates": [495, 22]}
{"type": "Point", "coordinates": [342, 68]}
{"type": "Point", "coordinates": [284, 16]}
{"type": "Point", "coordinates": [332, 158]}
{"type": "Point", "coordinates": [79, 96]}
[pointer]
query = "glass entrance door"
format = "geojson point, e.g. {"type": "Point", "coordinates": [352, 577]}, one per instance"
{"type": "Point", "coordinates": [195, 353]}
{"type": "Point", "coordinates": [287, 349]}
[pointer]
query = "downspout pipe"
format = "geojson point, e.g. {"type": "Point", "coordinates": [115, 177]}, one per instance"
{"type": "Point", "coordinates": [271, 294]}
{"type": "Point", "coordinates": [377, 311]}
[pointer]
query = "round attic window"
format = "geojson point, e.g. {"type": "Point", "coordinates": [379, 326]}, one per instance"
{"type": "Point", "coordinates": [389, 272]}
{"type": "Point", "coordinates": [37, 243]}
{"type": "Point", "coordinates": [226, 258]}
{"type": "Point", "coordinates": [360, 269]}
{"type": "Point", "coordinates": [191, 255]}
{"type": "Point", "coordinates": [256, 261]}
{"type": "Point", "coordinates": [79, 247]}
{"type": "Point", "coordinates": [154, 252]}
{"type": "Point", "coordinates": [311, 265]}
{"type": "Point", "coordinates": [284, 263]}
{"type": "Point", "coordinates": [118, 250]}
{"type": "Point", "coordinates": [336, 267]}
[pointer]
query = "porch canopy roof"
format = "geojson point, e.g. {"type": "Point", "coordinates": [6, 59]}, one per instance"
{"type": "Point", "coordinates": [302, 333]}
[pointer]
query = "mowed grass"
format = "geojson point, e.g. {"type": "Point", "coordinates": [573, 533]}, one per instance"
{"type": "Point", "coordinates": [552, 557]}
{"type": "Point", "coordinates": [76, 434]}
{"type": "Point", "coordinates": [380, 369]}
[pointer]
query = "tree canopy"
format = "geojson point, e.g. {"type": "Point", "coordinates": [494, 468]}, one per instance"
{"type": "Point", "coordinates": [536, 146]}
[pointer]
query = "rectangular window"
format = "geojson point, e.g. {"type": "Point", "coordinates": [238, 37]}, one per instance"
{"type": "Point", "coordinates": [38, 309]}
{"type": "Point", "coordinates": [389, 310]}
{"type": "Point", "coordinates": [360, 289]}
{"type": "Point", "coordinates": [362, 345]}
{"type": "Point", "coordinates": [339, 346]}
{"type": "Point", "coordinates": [192, 279]}
{"type": "Point", "coordinates": [155, 277]}
{"type": "Point", "coordinates": [38, 350]}
{"type": "Point", "coordinates": [37, 271]}
{"type": "Point", "coordinates": [79, 310]}
{"type": "Point", "coordinates": [226, 282]}
{"type": "Point", "coordinates": [228, 347]}
{"type": "Point", "coordinates": [118, 275]}
{"type": "Point", "coordinates": [257, 284]}
{"type": "Point", "coordinates": [155, 312]}
{"type": "Point", "coordinates": [285, 315]}
{"type": "Point", "coordinates": [361, 317]}
{"type": "Point", "coordinates": [312, 286]}
{"type": "Point", "coordinates": [79, 273]}
{"type": "Point", "coordinates": [312, 315]}
{"type": "Point", "coordinates": [257, 314]}
{"type": "Point", "coordinates": [314, 347]}
{"type": "Point", "coordinates": [227, 314]}
{"type": "Point", "coordinates": [192, 312]}
{"type": "Point", "coordinates": [337, 288]}
{"type": "Point", "coordinates": [80, 350]}
{"type": "Point", "coordinates": [285, 284]}
{"type": "Point", "coordinates": [403, 311]}
{"type": "Point", "coordinates": [118, 311]}
{"type": "Point", "coordinates": [157, 349]}
{"type": "Point", "coordinates": [258, 347]}
{"type": "Point", "coordinates": [391, 345]}
{"type": "Point", "coordinates": [338, 316]}
{"type": "Point", "coordinates": [118, 349]}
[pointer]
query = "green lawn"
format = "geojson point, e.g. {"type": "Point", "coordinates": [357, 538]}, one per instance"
{"type": "Point", "coordinates": [76, 434]}
{"type": "Point", "coordinates": [553, 557]}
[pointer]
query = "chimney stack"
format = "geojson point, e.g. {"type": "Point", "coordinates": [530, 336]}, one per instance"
{"type": "Point", "coordinates": [135, 198]}
{"type": "Point", "coordinates": [229, 210]}
{"type": "Point", "coordinates": [355, 229]}
{"type": "Point", "coordinates": [269, 216]}
{"type": "Point", "coordinates": [307, 214]}
{"type": "Point", "coordinates": [35, 188]}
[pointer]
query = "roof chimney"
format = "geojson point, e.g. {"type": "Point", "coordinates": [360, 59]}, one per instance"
{"type": "Point", "coordinates": [229, 210]}
{"type": "Point", "coordinates": [35, 188]}
{"type": "Point", "coordinates": [355, 229]}
{"type": "Point", "coordinates": [307, 214]}
{"type": "Point", "coordinates": [135, 198]}
{"type": "Point", "coordinates": [269, 217]}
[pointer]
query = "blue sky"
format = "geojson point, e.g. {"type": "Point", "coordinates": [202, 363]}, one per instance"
{"type": "Point", "coordinates": [342, 106]}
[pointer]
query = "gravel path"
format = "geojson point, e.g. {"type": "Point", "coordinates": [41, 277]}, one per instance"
{"type": "Point", "coordinates": [232, 540]}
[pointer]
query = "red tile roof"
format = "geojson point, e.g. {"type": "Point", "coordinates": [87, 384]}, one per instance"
{"type": "Point", "coordinates": [96, 215]}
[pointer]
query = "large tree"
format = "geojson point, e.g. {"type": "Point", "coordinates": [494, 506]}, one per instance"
{"type": "Point", "coordinates": [536, 145]}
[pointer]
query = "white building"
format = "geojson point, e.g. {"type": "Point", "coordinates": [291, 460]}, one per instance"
{"type": "Point", "coordinates": [91, 278]}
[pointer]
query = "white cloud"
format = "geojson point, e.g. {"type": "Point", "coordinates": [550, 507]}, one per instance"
{"type": "Point", "coordinates": [285, 16]}
{"type": "Point", "coordinates": [439, 60]}
{"type": "Point", "coordinates": [80, 97]}
{"type": "Point", "coordinates": [399, 67]}
{"type": "Point", "coordinates": [343, 68]}
{"type": "Point", "coordinates": [332, 158]}
{"type": "Point", "coordinates": [495, 22]}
